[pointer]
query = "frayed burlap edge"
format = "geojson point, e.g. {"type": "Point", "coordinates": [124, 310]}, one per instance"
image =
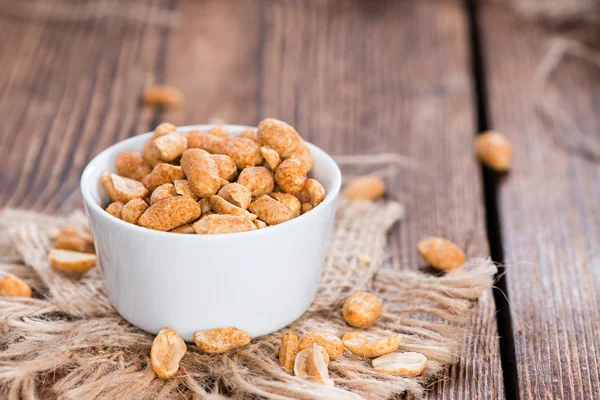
{"type": "Point", "coordinates": [68, 342]}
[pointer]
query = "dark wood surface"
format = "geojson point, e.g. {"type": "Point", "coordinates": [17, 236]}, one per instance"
{"type": "Point", "coordinates": [358, 78]}
{"type": "Point", "coordinates": [354, 77]}
{"type": "Point", "coordinates": [550, 213]}
{"type": "Point", "coordinates": [67, 91]}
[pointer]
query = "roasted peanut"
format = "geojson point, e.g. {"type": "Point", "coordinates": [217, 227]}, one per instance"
{"type": "Point", "coordinates": [182, 187]}
{"type": "Point", "coordinates": [365, 188]}
{"type": "Point", "coordinates": [170, 146]}
{"type": "Point", "coordinates": [168, 348]}
{"type": "Point", "coordinates": [312, 192]}
{"type": "Point", "coordinates": [170, 213]}
{"type": "Point", "coordinates": [161, 174]}
{"type": "Point", "coordinates": [303, 154]}
{"type": "Point", "coordinates": [71, 261]}
{"type": "Point", "coordinates": [271, 157]}
{"type": "Point", "coordinates": [288, 350]}
{"type": "Point", "coordinates": [223, 223]}
{"type": "Point", "coordinates": [133, 210]}
{"type": "Point", "coordinates": [220, 131]}
{"type": "Point", "coordinates": [163, 192]}
{"type": "Point", "coordinates": [150, 153]}
{"type": "Point", "coordinates": [12, 286]}
{"type": "Point", "coordinates": [226, 165]}
{"type": "Point", "coordinates": [76, 240]}
{"type": "Point", "coordinates": [163, 96]}
{"type": "Point", "coordinates": [222, 206]}
{"type": "Point", "coordinates": [332, 344]}
{"type": "Point", "coordinates": [279, 136]}
{"type": "Point", "coordinates": [115, 209]}
{"type": "Point", "coordinates": [312, 363]}
{"type": "Point", "coordinates": [317, 368]}
{"type": "Point", "coordinates": [365, 259]}
{"type": "Point", "coordinates": [187, 229]}
{"type": "Point", "coordinates": [441, 253]}
{"type": "Point", "coordinates": [259, 224]}
{"type": "Point", "coordinates": [290, 176]}
{"type": "Point", "coordinates": [361, 309]}
{"type": "Point", "coordinates": [250, 133]}
{"type": "Point", "coordinates": [126, 189]}
{"type": "Point", "coordinates": [132, 165]}
{"type": "Point", "coordinates": [164, 129]}
{"type": "Point", "coordinates": [401, 364]}
{"type": "Point", "coordinates": [300, 361]}
{"type": "Point", "coordinates": [206, 141]}
{"type": "Point", "coordinates": [236, 194]}
{"type": "Point", "coordinates": [201, 171]}
{"type": "Point", "coordinates": [363, 345]}
{"type": "Point", "coordinates": [270, 210]}
{"type": "Point", "coordinates": [220, 340]}
{"type": "Point", "coordinates": [107, 184]}
{"type": "Point", "coordinates": [494, 151]}
{"type": "Point", "coordinates": [205, 205]}
{"type": "Point", "coordinates": [244, 152]}
{"type": "Point", "coordinates": [290, 201]}
{"type": "Point", "coordinates": [306, 207]}
{"type": "Point", "coordinates": [258, 179]}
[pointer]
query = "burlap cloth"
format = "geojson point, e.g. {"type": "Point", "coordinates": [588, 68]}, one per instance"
{"type": "Point", "coordinates": [68, 342]}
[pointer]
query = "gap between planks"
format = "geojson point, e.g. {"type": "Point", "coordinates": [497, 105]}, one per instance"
{"type": "Point", "coordinates": [491, 181]}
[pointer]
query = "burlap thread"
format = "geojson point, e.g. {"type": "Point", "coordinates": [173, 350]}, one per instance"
{"type": "Point", "coordinates": [68, 342]}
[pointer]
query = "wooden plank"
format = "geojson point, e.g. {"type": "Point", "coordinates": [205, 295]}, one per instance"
{"type": "Point", "coordinates": [393, 77]}
{"type": "Point", "coordinates": [355, 77]}
{"type": "Point", "coordinates": [215, 62]}
{"type": "Point", "coordinates": [550, 213]}
{"type": "Point", "coordinates": [68, 91]}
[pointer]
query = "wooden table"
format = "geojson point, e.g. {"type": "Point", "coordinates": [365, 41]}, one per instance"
{"type": "Point", "coordinates": [353, 77]}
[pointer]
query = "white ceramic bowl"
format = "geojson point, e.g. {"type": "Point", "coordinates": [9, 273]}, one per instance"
{"type": "Point", "coordinates": [259, 281]}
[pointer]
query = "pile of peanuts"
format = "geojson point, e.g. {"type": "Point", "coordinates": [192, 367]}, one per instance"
{"type": "Point", "coordinates": [307, 357]}
{"type": "Point", "coordinates": [212, 182]}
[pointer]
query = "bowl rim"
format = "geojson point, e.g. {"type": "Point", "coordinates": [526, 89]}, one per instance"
{"type": "Point", "coordinates": [85, 187]}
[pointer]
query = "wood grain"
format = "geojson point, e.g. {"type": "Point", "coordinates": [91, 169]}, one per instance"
{"type": "Point", "coordinates": [71, 90]}
{"type": "Point", "coordinates": [352, 76]}
{"type": "Point", "coordinates": [357, 77]}
{"type": "Point", "coordinates": [550, 214]}
{"type": "Point", "coordinates": [214, 59]}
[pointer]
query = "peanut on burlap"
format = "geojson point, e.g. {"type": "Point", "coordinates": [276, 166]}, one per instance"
{"type": "Point", "coordinates": [70, 347]}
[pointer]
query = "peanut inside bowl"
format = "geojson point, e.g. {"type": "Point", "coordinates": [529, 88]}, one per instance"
{"type": "Point", "coordinates": [284, 199]}
{"type": "Point", "coordinates": [259, 280]}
